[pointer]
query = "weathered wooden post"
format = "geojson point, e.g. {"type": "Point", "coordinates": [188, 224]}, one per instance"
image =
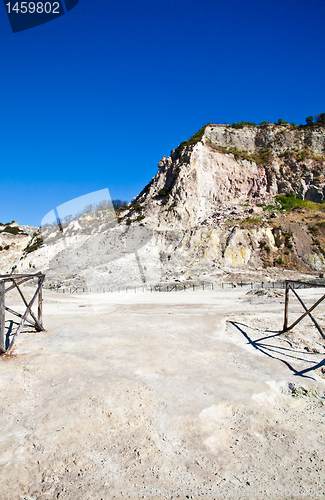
{"type": "Point", "coordinates": [2, 317]}
{"type": "Point", "coordinates": [40, 300]}
{"type": "Point", "coordinates": [286, 307]}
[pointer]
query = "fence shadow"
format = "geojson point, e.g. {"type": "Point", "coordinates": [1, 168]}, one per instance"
{"type": "Point", "coordinates": [277, 352]}
{"type": "Point", "coordinates": [9, 332]}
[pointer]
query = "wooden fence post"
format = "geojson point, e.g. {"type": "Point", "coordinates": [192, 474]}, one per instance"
{"type": "Point", "coordinates": [2, 317]}
{"type": "Point", "coordinates": [40, 301]}
{"type": "Point", "coordinates": [286, 307]}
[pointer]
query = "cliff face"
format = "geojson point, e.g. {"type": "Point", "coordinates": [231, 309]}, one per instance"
{"type": "Point", "coordinates": [228, 168]}
{"type": "Point", "coordinates": [208, 213]}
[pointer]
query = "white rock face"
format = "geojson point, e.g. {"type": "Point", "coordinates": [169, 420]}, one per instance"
{"type": "Point", "coordinates": [181, 226]}
{"type": "Point", "coordinates": [278, 138]}
{"type": "Point", "coordinates": [194, 183]}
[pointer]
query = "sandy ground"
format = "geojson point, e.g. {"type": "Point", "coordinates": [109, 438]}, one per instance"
{"type": "Point", "coordinates": [164, 396]}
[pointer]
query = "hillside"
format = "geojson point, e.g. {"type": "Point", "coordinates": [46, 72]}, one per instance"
{"type": "Point", "coordinates": [232, 201]}
{"type": "Point", "coordinates": [222, 169]}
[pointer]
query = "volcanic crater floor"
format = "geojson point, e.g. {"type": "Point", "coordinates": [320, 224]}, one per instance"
{"type": "Point", "coordinates": [164, 396]}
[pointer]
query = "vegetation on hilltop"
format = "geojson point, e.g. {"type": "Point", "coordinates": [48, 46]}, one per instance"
{"type": "Point", "coordinates": [13, 230]}
{"type": "Point", "coordinates": [289, 202]}
{"type": "Point", "coordinates": [197, 137]}
{"type": "Point", "coordinates": [189, 144]}
{"type": "Point", "coordinates": [317, 120]}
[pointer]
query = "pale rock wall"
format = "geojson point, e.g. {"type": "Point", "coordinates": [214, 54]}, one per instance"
{"type": "Point", "coordinates": [203, 179]}
{"type": "Point", "coordinates": [276, 137]}
{"type": "Point", "coordinates": [182, 232]}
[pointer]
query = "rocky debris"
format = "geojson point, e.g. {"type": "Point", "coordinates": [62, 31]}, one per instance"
{"type": "Point", "coordinates": [240, 212]}
{"type": "Point", "coordinates": [266, 293]}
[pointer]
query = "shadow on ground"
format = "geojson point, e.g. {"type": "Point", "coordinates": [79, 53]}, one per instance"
{"type": "Point", "coordinates": [284, 354]}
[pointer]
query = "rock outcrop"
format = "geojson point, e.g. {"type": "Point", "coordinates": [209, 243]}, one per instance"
{"type": "Point", "coordinates": [208, 213]}
{"type": "Point", "coordinates": [228, 168]}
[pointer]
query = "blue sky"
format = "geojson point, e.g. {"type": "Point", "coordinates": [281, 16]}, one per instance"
{"type": "Point", "coordinates": [95, 98]}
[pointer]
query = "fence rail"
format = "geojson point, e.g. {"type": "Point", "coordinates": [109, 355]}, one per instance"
{"type": "Point", "coordinates": [293, 285]}
{"type": "Point", "coordinates": [14, 281]}
{"type": "Point", "coordinates": [174, 287]}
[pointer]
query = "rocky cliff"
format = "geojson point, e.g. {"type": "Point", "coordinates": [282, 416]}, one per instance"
{"type": "Point", "coordinates": [225, 168]}
{"type": "Point", "coordinates": [213, 210]}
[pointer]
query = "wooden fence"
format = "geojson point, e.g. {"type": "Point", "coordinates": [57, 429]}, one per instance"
{"type": "Point", "coordinates": [9, 282]}
{"type": "Point", "coordinates": [174, 287]}
{"type": "Point", "coordinates": [296, 284]}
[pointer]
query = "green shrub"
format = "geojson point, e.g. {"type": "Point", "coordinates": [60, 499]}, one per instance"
{"type": "Point", "coordinates": [163, 191]}
{"type": "Point", "coordinates": [313, 230]}
{"type": "Point", "coordinates": [251, 220]}
{"type": "Point", "coordinates": [271, 208]}
{"type": "Point", "coordinates": [279, 260]}
{"type": "Point", "coordinates": [287, 252]}
{"type": "Point", "coordinates": [140, 217]}
{"type": "Point", "coordinates": [128, 221]}
{"type": "Point", "coordinates": [264, 124]}
{"type": "Point", "coordinates": [302, 155]}
{"type": "Point", "coordinates": [289, 201]}
{"type": "Point", "coordinates": [198, 136]}
{"type": "Point", "coordinates": [242, 124]}
{"type": "Point", "coordinates": [183, 144]}
{"type": "Point", "coordinates": [136, 206]}
{"type": "Point", "coordinates": [263, 156]}
{"type": "Point", "coordinates": [14, 230]}
{"type": "Point", "coordinates": [34, 245]}
{"type": "Point", "coordinates": [320, 119]}
{"type": "Point", "coordinates": [264, 246]}
{"type": "Point", "coordinates": [192, 141]}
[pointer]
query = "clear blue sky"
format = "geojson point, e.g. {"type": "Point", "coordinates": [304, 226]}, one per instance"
{"type": "Point", "coordinates": [95, 98]}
